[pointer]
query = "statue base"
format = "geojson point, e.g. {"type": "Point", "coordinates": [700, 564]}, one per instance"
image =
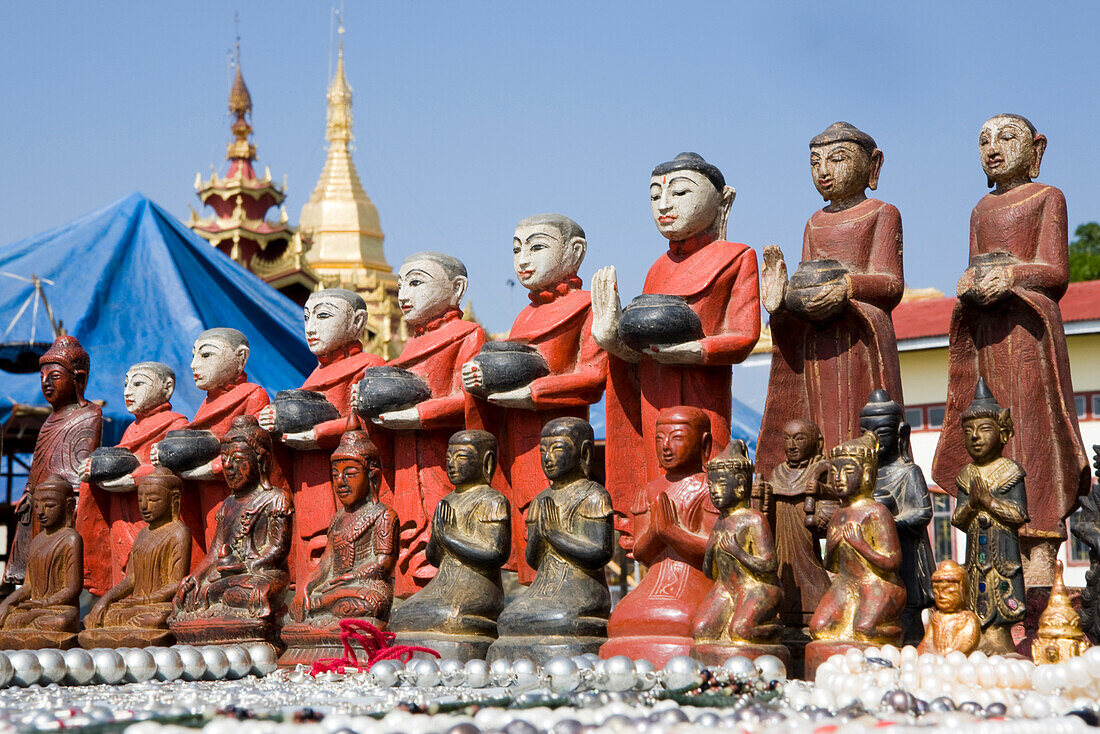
{"type": "Point", "coordinates": [818, 651]}
{"type": "Point", "coordinates": [713, 654]}
{"type": "Point", "coordinates": [454, 647]}
{"type": "Point", "coordinates": [540, 648]}
{"type": "Point", "coordinates": [224, 631]}
{"type": "Point", "coordinates": [36, 640]}
{"type": "Point", "coordinates": [657, 649]}
{"type": "Point", "coordinates": [307, 643]}
{"type": "Point", "coordinates": [125, 637]}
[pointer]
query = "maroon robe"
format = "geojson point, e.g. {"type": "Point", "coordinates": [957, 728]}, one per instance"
{"type": "Point", "coordinates": [1018, 345]}
{"type": "Point", "coordinates": [420, 473]}
{"type": "Point", "coordinates": [719, 281]}
{"type": "Point", "coordinates": [560, 327]}
{"type": "Point", "coordinates": [826, 371]}
{"type": "Point", "coordinates": [110, 521]}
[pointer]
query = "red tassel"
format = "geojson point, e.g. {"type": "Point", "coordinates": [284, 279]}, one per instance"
{"type": "Point", "coordinates": [377, 645]}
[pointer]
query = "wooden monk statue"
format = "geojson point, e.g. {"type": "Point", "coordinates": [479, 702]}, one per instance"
{"type": "Point", "coordinates": [990, 507]}
{"type": "Point", "coordinates": [833, 339]}
{"type": "Point", "coordinates": [740, 614]}
{"type": "Point", "coordinates": [44, 612]}
{"type": "Point", "coordinates": [569, 541]}
{"type": "Point", "coordinates": [862, 549]}
{"type": "Point", "coordinates": [1007, 327]}
{"type": "Point", "coordinates": [355, 576]}
{"type": "Point", "coordinates": [231, 595]}
{"type": "Point", "coordinates": [1086, 528]}
{"type": "Point", "coordinates": [134, 613]}
{"type": "Point", "coordinates": [108, 515]}
{"type": "Point", "coordinates": [673, 518]}
{"type": "Point", "coordinates": [690, 203]}
{"type": "Point", "coordinates": [71, 432]}
{"type": "Point", "coordinates": [951, 625]}
{"type": "Point", "coordinates": [456, 613]}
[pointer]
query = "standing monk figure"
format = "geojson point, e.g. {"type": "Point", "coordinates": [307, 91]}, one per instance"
{"type": "Point", "coordinates": [430, 286]}
{"type": "Point", "coordinates": [833, 339]}
{"type": "Point", "coordinates": [70, 433]}
{"type": "Point", "coordinates": [108, 516]}
{"type": "Point", "coordinates": [1007, 327]}
{"type": "Point", "coordinates": [718, 279]}
{"type": "Point", "coordinates": [334, 322]}
{"type": "Point", "coordinates": [547, 251]}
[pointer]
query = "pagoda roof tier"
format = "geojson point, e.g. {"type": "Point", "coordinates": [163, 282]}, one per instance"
{"type": "Point", "coordinates": [240, 180]}
{"type": "Point", "coordinates": [216, 229]}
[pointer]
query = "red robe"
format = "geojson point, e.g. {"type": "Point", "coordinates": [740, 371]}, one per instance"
{"type": "Point", "coordinates": [311, 470]}
{"type": "Point", "coordinates": [1018, 345]}
{"type": "Point", "coordinates": [826, 371]}
{"type": "Point", "coordinates": [109, 521]}
{"type": "Point", "coordinates": [202, 498]}
{"type": "Point", "coordinates": [719, 281]}
{"type": "Point", "coordinates": [560, 327]}
{"type": "Point", "coordinates": [420, 472]}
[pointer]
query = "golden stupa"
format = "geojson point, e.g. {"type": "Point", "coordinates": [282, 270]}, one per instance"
{"type": "Point", "coordinates": [1059, 637]}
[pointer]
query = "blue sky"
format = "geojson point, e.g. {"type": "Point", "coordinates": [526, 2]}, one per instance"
{"type": "Point", "coordinates": [470, 116]}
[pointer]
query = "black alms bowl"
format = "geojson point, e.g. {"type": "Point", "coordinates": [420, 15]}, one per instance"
{"type": "Point", "coordinates": [111, 462]}
{"type": "Point", "coordinates": [652, 318]}
{"type": "Point", "coordinates": [300, 410]}
{"type": "Point", "coordinates": [507, 366]}
{"type": "Point", "coordinates": [186, 449]}
{"type": "Point", "coordinates": [383, 389]}
{"type": "Point", "coordinates": [809, 279]}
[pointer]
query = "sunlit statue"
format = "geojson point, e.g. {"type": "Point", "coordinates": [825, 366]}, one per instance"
{"type": "Point", "coordinates": [135, 612]}
{"type": "Point", "coordinates": [456, 613]}
{"type": "Point", "coordinates": [355, 576]}
{"type": "Point", "coordinates": [952, 625]}
{"type": "Point", "coordinates": [1059, 636]}
{"type": "Point", "coordinates": [740, 614]}
{"type": "Point", "coordinates": [232, 595]}
{"type": "Point", "coordinates": [673, 518]}
{"type": "Point", "coordinates": [44, 611]}
{"type": "Point", "coordinates": [569, 542]}
{"type": "Point", "coordinates": [1007, 327]}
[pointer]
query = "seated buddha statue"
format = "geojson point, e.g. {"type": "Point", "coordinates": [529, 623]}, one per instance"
{"type": "Point", "coordinates": [456, 613]}
{"type": "Point", "coordinates": [952, 625]}
{"type": "Point", "coordinates": [44, 611]}
{"type": "Point", "coordinates": [134, 612]}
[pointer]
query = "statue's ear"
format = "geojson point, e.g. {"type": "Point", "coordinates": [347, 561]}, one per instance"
{"type": "Point", "coordinates": [728, 194]}
{"type": "Point", "coordinates": [359, 321]}
{"type": "Point", "coordinates": [587, 448]}
{"type": "Point", "coordinates": [904, 446]}
{"type": "Point", "coordinates": [876, 168]}
{"type": "Point", "coordinates": [705, 445]}
{"type": "Point", "coordinates": [242, 357]}
{"type": "Point", "coordinates": [489, 465]}
{"type": "Point", "coordinates": [169, 387]}
{"type": "Point", "coordinates": [1039, 146]}
{"type": "Point", "coordinates": [578, 248]}
{"type": "Point", "coordinates": [458, 289]}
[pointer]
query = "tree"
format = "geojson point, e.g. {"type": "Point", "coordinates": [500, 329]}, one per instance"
{"type": "Point", "coordinates": [1084, 253]}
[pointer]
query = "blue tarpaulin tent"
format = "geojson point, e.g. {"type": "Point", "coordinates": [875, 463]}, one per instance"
{"type": "Point", "coordinates": [132, 283]}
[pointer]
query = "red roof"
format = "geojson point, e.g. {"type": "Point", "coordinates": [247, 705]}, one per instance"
{"type": "Point", "coordinates": [932, 317]}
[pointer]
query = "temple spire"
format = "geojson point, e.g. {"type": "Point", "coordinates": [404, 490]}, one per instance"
{"type": "Point", "coordinates": [240, 106]}
{"type": "Point", "coordinates": [339, 118]}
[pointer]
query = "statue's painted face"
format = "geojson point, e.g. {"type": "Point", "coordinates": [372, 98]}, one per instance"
{"type": "Point", "coordinates": [49, 508]}
{"type": "Point", "coordinates": [885, 428]}
{"type": "Point", "coordinates": [799, 442]}
{"type": "Point", "coordinates": [839, 170]}
{"type": "Point", "coordinates": [154, 502]}
{"type": "Point", "coordinates": [424, 291]}
{"type": "Point", "coordinates": [948, 594]}
{"type": "Point", "coordinates": [143, 390]}
{"type": "Point", "coordinates": [463, 463]}
{"type": "Point", "coordinates": [331, 324]}
{"type": "Point", "coordinates": [983, 438]}
{"type": "Point", "coordinates": [541, 256]}
{"type": "Point", "coordinates": [239, 465]}
{"type": "Point", "coordinates": [847, 475]}
{"type": "Point", "coordinates": [351, 481]}
{"type": "Point", "coordinates": [727, 487]}
{"type": "Point", "coordinates": [678, 445]}
{"type": "Point", "coordinates": [559, 456]}
{"type": "Point", "coordinates": [58, 384]}
{"type": "Point", "coordinates": [214, 363]}
{"type": "Point", "coordinates": [1006, 148]}
{"type": "Point", "coordinates": [684, 203]}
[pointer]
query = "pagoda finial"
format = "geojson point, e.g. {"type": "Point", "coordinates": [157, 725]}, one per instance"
{"type": "Point", "coordinates": [339, 119]}
{"type": "Point", "coordinates": [240, 106]}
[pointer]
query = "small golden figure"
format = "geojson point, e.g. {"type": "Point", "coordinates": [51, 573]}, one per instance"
{"type": "Point", "coordinates": [951, 625]}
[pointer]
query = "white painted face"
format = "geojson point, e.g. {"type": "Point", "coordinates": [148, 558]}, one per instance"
{"type": "Point", "coordinates": [684, 203]}
{"type": "Point", "coordinates": [424, 291]}
{"type": "Point", "coordinates": [1006, 149]}
{"type": "Point", "coordinates": [214, 363]}
{"type": "Point", "coordinates": [143, 390]}
{"type": "Point", "coordinates": [541, 256]}
{"type": "Point", "coordinates": [332, 324]}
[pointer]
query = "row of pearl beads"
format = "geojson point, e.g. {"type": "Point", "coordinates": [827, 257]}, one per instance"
{"type": "Point", "coordinates": [134, 665]}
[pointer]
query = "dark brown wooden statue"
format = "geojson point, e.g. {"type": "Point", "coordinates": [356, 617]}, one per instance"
{"type": "Point", "coordinates": [44, 612]}
{"type": "Point", "coordinates": [355, 576]}
{"type": "Point", "coordinates": [1007, 327]}
{"type": "Point", "coordinates": [70, 433]}
{"type": "Point", "coordinates": [863, 552]}
{"type": "Point", "coordinates": [990, 507]}
{"type": "Point", "coordinates": [1087, 530]}
{"type": "Point", "coordinates": [456, 613]}
{"type": "Point", "coordinates": [231, 595]}
{"type": "Point", "coordinates": [134, 613]}
{"type": "Point", "coordinates": [833, 337]}
{"type": "Point", "coordinates": [740, 614]}
{"type": "Point", "coordinates": [673, 518]}
{"type": "Point", "coordinates": [569, 542]}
